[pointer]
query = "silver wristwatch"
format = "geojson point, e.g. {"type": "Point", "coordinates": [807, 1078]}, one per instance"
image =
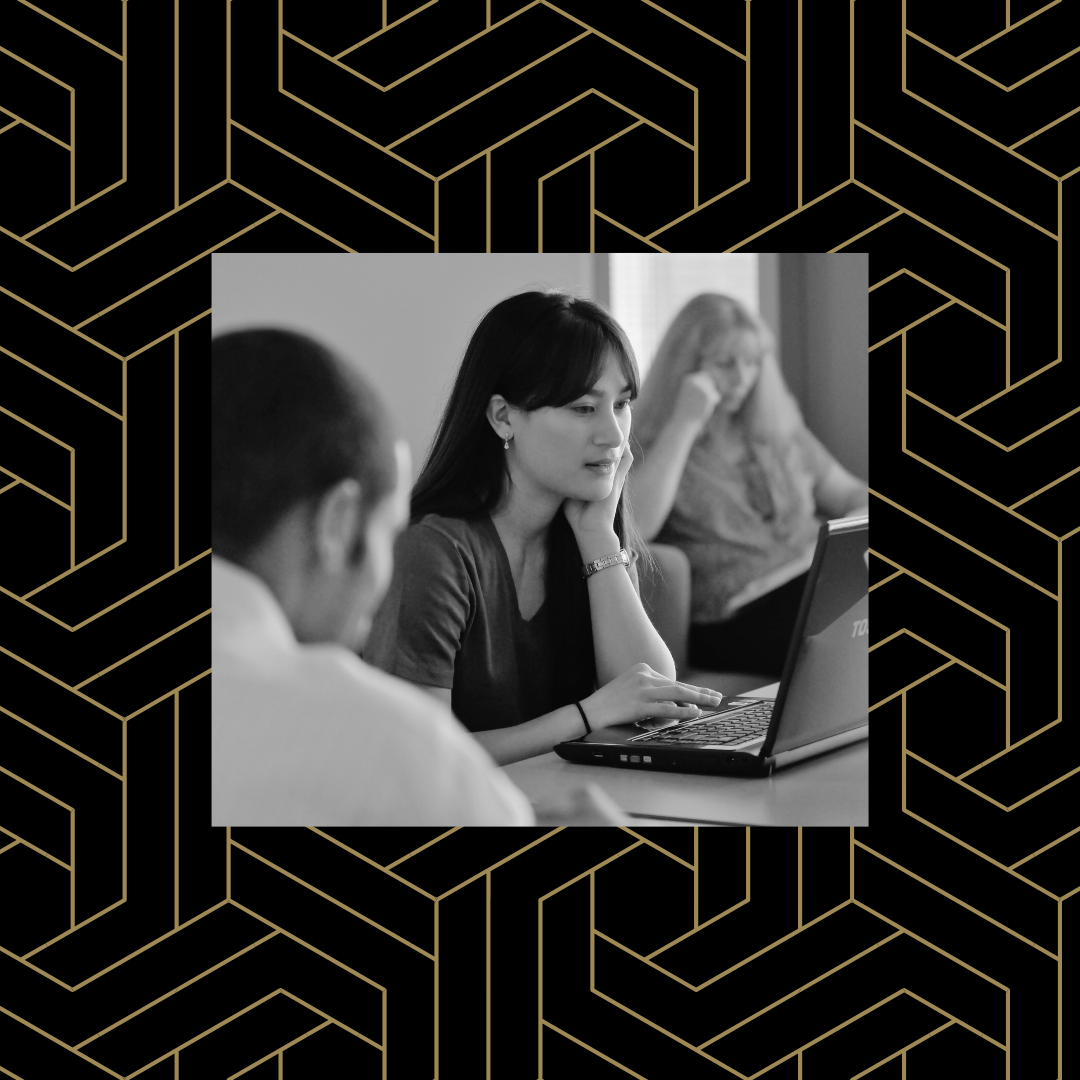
{"type": "Point", "coordinates": [620, 556]}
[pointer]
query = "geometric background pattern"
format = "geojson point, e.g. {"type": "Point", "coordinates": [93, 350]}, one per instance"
{"type": "Point", "coordinates": [944, 140]}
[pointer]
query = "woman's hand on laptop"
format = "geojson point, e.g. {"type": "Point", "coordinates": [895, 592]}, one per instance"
{"type": "Point", "coordinates": [639, 692]}
{"type": "Point", "coordinates": [589, 805]}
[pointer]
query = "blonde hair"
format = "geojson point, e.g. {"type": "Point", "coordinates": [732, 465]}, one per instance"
{"type": "Point", "coordinates": [770, 412]}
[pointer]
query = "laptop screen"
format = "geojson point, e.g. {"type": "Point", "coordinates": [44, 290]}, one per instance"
{"type": "Point", "coordinates": [825, 686]}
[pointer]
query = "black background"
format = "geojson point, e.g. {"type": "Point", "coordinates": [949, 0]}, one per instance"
{"type": "Point", "coordinates": [927, 944]}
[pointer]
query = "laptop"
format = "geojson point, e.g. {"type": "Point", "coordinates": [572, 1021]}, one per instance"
{"type": "Point", "coordinates": [822, 703]}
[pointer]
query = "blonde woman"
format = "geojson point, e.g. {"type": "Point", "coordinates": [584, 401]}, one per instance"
{"type": "Point", "coordinates": [729, 473]}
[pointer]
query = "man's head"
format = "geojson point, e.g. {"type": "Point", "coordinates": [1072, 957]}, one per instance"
{"type": "Point", "coordinates": [307, 486]}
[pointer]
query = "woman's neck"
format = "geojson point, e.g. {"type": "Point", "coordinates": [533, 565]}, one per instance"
{"type": "Point", "coordinates": [726, 427]}
{"type": "Point", "coordinates": [523, 522]}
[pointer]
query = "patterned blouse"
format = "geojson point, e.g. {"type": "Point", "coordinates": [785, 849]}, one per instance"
{"type": "Point", "coordinates": [743, 511]}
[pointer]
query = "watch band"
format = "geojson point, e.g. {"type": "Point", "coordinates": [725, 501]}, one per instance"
{"type": "Point", "coordinates": [591, 568]}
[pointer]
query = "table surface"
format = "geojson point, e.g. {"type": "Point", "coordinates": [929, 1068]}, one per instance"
{"type": "Point", "coordinates": [831, 789]}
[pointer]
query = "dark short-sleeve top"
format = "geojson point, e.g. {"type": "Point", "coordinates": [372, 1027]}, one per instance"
{"type": "Point", "coordinates": [451, 619]}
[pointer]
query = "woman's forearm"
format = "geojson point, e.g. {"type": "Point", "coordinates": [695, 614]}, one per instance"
{"type": "Point", "coordinates": [655, 479]}
{"type": "Point", "coordinates": [536, 736]}
{"type": "Point", "coordinates": [841, 494]}
{"type": "Point", "coordinates": [622, 633]}
{"type": "Point", "coordinates": [856, 499]}
{"type": "Point", "coordinates": [856, 504]}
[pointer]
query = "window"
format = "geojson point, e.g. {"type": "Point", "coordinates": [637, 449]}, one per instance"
{"type": "Point", "coordinates": [647, 291]}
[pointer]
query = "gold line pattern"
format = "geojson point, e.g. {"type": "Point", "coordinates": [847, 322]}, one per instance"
{"type": "Point", "coordinates": [354, 131]}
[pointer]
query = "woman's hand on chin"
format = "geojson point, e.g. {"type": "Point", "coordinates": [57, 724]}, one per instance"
{"type": "Point", "coordinates": [697, 400]}
{"type": "Point", "coordinates": [595, 520]}
{"type": "Point", "coordinates": [640, 692]}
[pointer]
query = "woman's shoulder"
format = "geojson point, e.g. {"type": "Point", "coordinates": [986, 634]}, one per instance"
{"type": "Point", "coordinates": [459, 530]}
{"type": "Point", "coordinates": [430, 534]}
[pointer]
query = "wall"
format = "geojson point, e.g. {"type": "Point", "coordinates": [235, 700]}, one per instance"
{"type": "Point", "coordinates": [836, 388]}
{"type": "Point", "coordinates": [769, 295]}
{"type": "Point", "coordinates": [823, 341]}
{"type": "Point", "coordinates": [648, 290]}
{"type": "Point", "coordinates": [403, 318]}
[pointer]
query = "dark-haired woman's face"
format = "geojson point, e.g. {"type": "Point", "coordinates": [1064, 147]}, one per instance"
{"type": "Point", "coordinates": [734, 363]}
{"type": "Point", "coordinates": [572, 451]}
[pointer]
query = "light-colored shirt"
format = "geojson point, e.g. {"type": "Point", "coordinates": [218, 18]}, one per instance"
{"type": "Point", "coordinates": [311, 735]}
{"type": "Point", "coordinates": [745, 515]}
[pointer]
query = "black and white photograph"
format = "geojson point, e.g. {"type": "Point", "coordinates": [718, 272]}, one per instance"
{"type": "Point", "coordinates": [557, 539]}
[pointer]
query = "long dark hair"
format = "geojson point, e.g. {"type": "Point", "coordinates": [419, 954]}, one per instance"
{"type": "Point", "coordinates": [536, 349]}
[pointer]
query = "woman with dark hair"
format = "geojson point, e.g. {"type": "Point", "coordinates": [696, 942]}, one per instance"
{"type": "Point", "coordinates": [514, 595]}
{"type": "Point", "coordinates": [731, 475]}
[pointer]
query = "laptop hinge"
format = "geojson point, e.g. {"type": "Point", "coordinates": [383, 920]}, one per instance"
{"type": "Point", "coordinates": [800, 753]}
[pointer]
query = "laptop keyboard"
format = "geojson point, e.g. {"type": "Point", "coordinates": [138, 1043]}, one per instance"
{"type": "Point", "coordinates": [718, 731]}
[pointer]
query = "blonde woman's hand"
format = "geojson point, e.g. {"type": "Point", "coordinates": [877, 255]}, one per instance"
{"type": "Point", "coordinates": [640, 692]}
{"type": "Point", "coordinates": [697, 398]}
{"type": "Point", "coordinates": [594, 522]}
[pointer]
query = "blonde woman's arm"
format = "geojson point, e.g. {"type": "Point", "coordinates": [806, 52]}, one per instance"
{"type": "Point", "coordinates": [839, 493]}
{"type": "Point", "coordinates": [656, 478]}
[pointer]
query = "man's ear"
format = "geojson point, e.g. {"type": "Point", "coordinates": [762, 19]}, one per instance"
{"type": "Point", "coordinates": [498, 416]}
{"type": "Point", "coordinates": [337, 524]}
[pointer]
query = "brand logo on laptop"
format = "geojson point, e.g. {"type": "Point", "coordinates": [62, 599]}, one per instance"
{"type": "Point", "coordinates": [860, 627]}
{"type": "Point", "coordinates": [866, 558]}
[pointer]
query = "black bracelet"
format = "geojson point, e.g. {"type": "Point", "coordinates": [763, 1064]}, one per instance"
{"type": "Point", "coordinates": [588, 730]}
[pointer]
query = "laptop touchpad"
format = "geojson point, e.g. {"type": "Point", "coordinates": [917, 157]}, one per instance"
{"type": "Point", "coordinates": [655, 723]}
